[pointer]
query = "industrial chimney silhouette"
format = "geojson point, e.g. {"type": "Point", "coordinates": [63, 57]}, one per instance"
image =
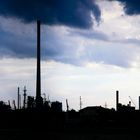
{"type": "Point", "coordinates": [39, 100]}
{"type": "Point", "coordinates": [117, 99]}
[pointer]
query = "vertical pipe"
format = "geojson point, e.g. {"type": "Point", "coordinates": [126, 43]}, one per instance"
{"type": "Point", "coordinates": [38, 80]}
{"type": "Point", "coordinates": [39, 100]}
{"type": "Point", "coordinates": [117, 99]}
{"type": "Point", "coordinates": [18, 100]}
{"type": "Point", "coordinates": [67, 105]}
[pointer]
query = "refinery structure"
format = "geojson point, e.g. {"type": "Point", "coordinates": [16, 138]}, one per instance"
{"type": "Point", "coordinates": [39, 113]}
{"type": "Point", "coordinates": [26, 101]}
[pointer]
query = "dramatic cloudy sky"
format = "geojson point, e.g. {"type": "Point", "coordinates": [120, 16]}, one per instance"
{"type": "Point", "coordinates": [90, 48]}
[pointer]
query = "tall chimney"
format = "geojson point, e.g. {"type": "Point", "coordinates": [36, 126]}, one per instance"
{"type": "Point", "coordinates": [18, 100]}
{"type": "Point", "coordinates": [38, 77]}
{"type": "Point", "coordinates": [117, 99]}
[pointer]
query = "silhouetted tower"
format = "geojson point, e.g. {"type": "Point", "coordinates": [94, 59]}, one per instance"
{"type": "Point", "coordinates": [39, 100]}
{"type": "Point", "coordinates": [67, 105]}
{"type": "Point", "coordinates": [18, 98]}
{"type": "Point", "coordinates": [24, 95]}
{"type": "Point", "coordinates": [117, 99]}
{"type": "Point", "coordinates": [139, 102]}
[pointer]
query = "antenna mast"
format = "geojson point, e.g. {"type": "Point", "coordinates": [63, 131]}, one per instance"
{"type": "Point", "coordinates": [24, 101]}
{"type": "Point", "coordinates": [67, 105]}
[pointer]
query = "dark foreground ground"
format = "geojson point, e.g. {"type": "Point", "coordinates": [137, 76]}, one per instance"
{"type": "Point", "coordinates": [30, 135]}
{"type": "Point", "coordinates": [30, 125]}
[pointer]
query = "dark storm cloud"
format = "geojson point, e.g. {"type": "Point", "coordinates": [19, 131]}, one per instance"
{"type": "Point", "coordinates": [88, 34]}
{"type": "Point", "coordinates": [131, 7]}
{"type": "Point", "coordinates": [76, 13]}
{"type": "Point", "coordinates": [16, 46]}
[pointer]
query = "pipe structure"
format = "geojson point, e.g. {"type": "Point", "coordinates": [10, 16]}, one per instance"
{"type": "Point", "coordinates": [39, 100]}
{"type": "Point", "coordinates": [18, 100]}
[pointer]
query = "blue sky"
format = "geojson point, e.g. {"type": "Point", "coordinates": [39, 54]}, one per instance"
{"type": "Point", "coordinates": [91, 50]}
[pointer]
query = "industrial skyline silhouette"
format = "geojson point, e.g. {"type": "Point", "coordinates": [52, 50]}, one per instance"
{"type": "Point", "coordinates": [39, 114]}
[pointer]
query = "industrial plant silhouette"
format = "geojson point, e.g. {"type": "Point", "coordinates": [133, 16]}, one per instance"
{"type": "Point", "coordinates": [37, 115]}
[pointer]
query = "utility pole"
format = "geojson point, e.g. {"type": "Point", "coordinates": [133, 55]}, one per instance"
{"type": "Point", "coordinates": [117, 99]}
{"type": "Point", "coordinates": [24, 95]}
{"type": "Point", "coordinates": [67, 105]}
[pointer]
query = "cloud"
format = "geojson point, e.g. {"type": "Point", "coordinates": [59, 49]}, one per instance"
{"type": "Point", "coordinates": [16, 46]}
{"type": "Point", "coordinates": [66, 45]}
{"type": "Point", "coordinates": [131, 7]}
{"type": "Point", "coordinates": [90, 34]}
{"type": "Point", "coordinates": [109, 43]}
{"type": "Point", "coordinates": [75, 13]}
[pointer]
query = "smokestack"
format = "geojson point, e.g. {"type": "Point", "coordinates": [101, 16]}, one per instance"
{"type": "Point", "coordinates": [38, 77]}
{"type": "Point", "coordinates": [18, 100]}
{"type": "Point", "coordinates": [38, 80]}
{"type": "Point", "coordinates": [117, 99]}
